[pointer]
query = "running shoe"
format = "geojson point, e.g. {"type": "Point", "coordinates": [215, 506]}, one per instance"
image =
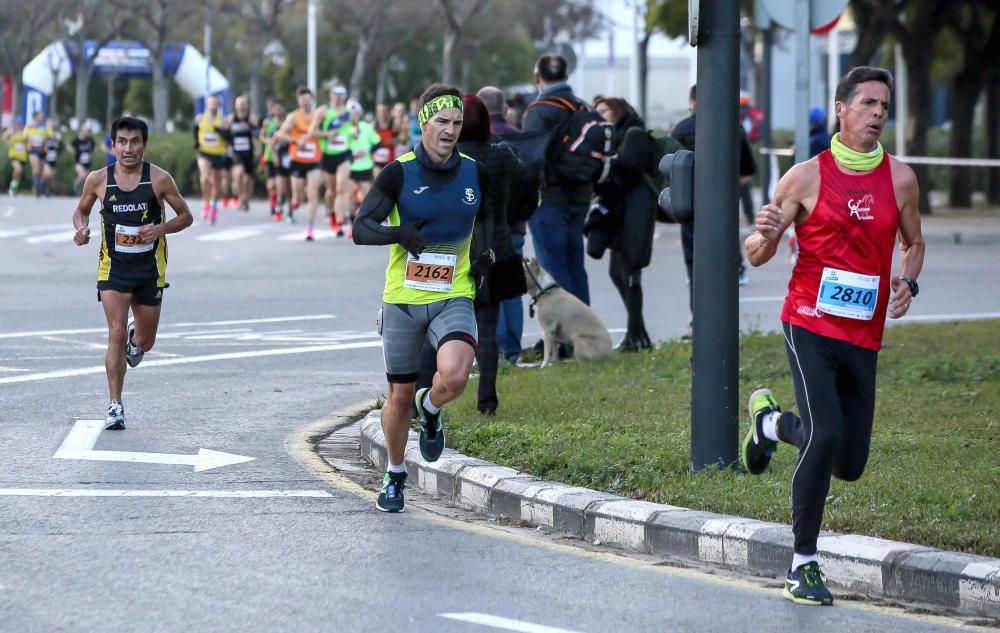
{"type": "Point", "coordinates": [390, 498]}
{"type": "Point", "coordinates": [756, 449]}
{"type": "Point", "coordinates": [309, 234]}
{"type": "Point", "coordinates": [206, 210]}
{"type": "Point", "coordinates": [804, 585]}
{"type": "Point", "coordinates": [744, 279]}
{"type": "Point", "coordinates": [431, 429]}
{"type": "Point", "coordinates": [133, 355]}
{"type": "Point", "coordinates": [116, 417]}
{"type": "Point", "coordinates": [277, 216]}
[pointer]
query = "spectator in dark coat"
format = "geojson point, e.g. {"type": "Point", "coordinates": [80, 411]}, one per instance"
{"type": "Point", "coordinates": [557, 225]}
{"type": "Point", "coordinates": [630, 205]}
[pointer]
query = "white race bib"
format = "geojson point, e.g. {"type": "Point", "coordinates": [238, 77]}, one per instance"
{"type": "Point", "coordinates": [127, 240]}
{"type": "Point", "coordinates": [20, 148]}
{"type": "Point", "coordinates": [84, 157]}
{"type": "Point", "coordinates": [847, 294]}
{"type": "Point", "coordinates": [434, 272]}
{"type": "Point", "coordinates": [51, 156]}
{"type": "Point", "coordinates": [336, 144]}
{"type": "Point", "coordinates": [210, 139]}
{"type": "Point", "coordinates": [241, 144]}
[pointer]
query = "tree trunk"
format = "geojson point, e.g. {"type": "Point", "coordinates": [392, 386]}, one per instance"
{"type": "Point", "coordinates": [450, 39]}
{"type": "Point", "coordinates": [993, 137]}
{"type": "Point", "coordinates": [161, 106]}
{"type": "Point", "coordinates": [109, 113]}
{"type": "Point", "coordinates": [360, 60]}
{"type": "Point", "coordinates": [918, 59]}
{"type": "Point", "coordinates": [82, 85]}
{"type": "Point", "coordinates": [256, 99]}
{"type": "Point", "coordinates": [381, 81]}
{"type": "Point", "coordinates": [968, 85]}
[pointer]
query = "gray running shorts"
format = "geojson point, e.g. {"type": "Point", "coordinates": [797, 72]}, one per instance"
{"type": "Point", "coordinates": [404, 327]}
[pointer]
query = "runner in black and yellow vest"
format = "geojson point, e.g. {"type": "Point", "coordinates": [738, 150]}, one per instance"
{"type": "Point", "coordinates": [132, 261]}
{"type": "Point", "coordinates": [330, 125]}
{"type": "Point", "coordinates": [428, 200]}
{"type": "Point", "coordinates": [210, 141]}
{"type": "Point", "coordinates": [305, 152]}
{"type": "Point", "coordinates": [17, 153]}
{"type": "Point", "coordinates": [242, 129]}
{"type": "Point", "coordinates": [37, 133]}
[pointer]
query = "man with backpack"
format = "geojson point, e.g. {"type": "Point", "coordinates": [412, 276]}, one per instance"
{"type": "Point", "coordinates": [580, 147]}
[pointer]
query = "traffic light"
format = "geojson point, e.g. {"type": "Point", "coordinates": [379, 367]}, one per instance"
{"type": "Point", "coordinates": [677, 200]}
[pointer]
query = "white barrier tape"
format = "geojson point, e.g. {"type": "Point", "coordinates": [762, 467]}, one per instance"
{"type": "Point", "coordinates": [915, 160]}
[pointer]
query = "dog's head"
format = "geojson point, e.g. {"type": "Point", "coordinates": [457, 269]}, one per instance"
{"type": "Point", "coordinates": [537, 279]}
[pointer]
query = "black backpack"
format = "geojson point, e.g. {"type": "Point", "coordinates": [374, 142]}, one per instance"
{"type": "Point", "coordinates": [583, 146]}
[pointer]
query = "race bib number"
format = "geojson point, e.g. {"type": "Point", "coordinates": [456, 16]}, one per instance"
{"type": "Point", "coordinates": [286, 161]}
{"type": "Point", "coordinates": [308, 147]}
{"type": "Point", "coordinates": [210, 139]}
{"type": "Point", "coordinates": [337, 144]}
{"type": "Point", "coordinates": [127, 240]}
{"type": "Point", "coordinates": [382, 156]}
{"type": "Point", "coordinates": [241, 144]}
{"type": "Point", "coordinates": [434, 272]}
{"type": "Point", "coordinates": [847, 294]}
{"type": "Point", "coordinates": [20, 147]}
{"type": "Point", "coordinates": [51, 156]}
{"type": "Point", "coordinates": [84, 157]}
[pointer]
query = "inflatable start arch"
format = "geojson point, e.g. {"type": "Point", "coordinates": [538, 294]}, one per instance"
{"type": "Point", "coordinates": [182, 62]}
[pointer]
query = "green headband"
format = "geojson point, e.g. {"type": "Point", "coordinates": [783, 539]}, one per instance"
{"type": "Point", "coordinates": [435, 105]}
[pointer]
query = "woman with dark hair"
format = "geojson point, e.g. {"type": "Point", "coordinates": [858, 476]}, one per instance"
{"type": "Point", "coordinates": [623, 215]}
{"type": "Point", "coordinates": [496, 268]}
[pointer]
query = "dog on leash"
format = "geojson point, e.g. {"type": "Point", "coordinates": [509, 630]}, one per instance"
{"type": "Point", "coordinates": [564, 319]}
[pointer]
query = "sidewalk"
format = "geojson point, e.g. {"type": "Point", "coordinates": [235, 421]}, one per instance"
{"type": "Point", "coordinates": [974, 227]}
{"type": "Point", "coordinates": [878, 568]}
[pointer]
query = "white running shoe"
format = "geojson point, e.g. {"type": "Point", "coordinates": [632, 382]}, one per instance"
{"type": "Point", "coordinates": [133, 355]}
{"type": "Point", "coordinates": [116, 417]}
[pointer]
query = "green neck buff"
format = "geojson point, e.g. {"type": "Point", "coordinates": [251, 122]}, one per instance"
{"type": "Point", "coordinates": [851, 159]}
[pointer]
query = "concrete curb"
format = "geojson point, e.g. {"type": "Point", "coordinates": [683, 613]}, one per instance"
{"type": "Point", "coordinates": [874, 567]}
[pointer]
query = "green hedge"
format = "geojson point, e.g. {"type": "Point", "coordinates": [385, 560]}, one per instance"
{"type": "Point", "coordinates": [172, 152]}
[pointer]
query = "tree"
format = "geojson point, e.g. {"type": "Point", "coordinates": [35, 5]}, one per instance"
{"type": "Point", "coordinates": [82, 12]}
{"type": "Point", "coordinates": [23, 27]}
{"type": "Point", "coordinates": [262, 23]}
{"type": "Point", "coordinates": [456, 13]}
{"type": "Point", "coordinates": [980, 48]}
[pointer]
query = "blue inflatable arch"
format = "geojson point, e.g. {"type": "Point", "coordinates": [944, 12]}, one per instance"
{"type": "Point", "coordinates": [182, 62]}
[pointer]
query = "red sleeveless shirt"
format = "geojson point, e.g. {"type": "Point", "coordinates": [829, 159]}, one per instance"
{"type": "Point", "coordinates": [851, 230]}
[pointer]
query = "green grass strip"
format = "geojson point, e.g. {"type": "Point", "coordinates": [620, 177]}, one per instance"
{"type": "Point", "coordinates": [623, 426]}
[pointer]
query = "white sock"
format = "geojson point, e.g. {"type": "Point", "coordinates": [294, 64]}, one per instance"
{"type": "Point", "coordinates": [770, 425]}
{"type": "Point", "coordinates": [397, 468]}
{"type": "Point", "coordinates": [428, 405]}
{"type": "Point", "coordinates": [799, 560]}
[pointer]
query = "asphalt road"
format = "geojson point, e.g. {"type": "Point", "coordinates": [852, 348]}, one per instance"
{"type": "Point", "coordinates": [261, 335]}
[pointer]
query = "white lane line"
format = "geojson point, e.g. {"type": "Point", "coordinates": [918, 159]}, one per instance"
{"type": "Point", "coordinates": [9, 211]}
{"type": "Point", "coordinates": [83, 371]}
{"type": "Point", "coordinates": [307, 317]}
{"type": "Point", "coordinates": [300, 236]}
{"type": "Point", "coordinates": [231, 235]}
{"type": "Point", "coordinates": [225, 332]}
{"type": "Point", "coordinates": [217, 494]}
{"type": "Point", "coordinates": [52, 237]}
{"type": "Point", "coordinates": [762, 299]}
{"type": "Point", "coordinates": [965, 316]}
{"type": "Point", "coordinates": [504, 623]}
{"type": "Point", "coordinates": [2, 368]}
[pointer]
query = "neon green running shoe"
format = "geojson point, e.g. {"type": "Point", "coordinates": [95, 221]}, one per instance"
{"type": "Point", "coordinates": [804, 585]}
{"type": "Point", "coordinates": [390, 498]}
{"type": "Point", "coordinates": [431, 430]}
{"type": "Point", "coordinates": [756, 449]}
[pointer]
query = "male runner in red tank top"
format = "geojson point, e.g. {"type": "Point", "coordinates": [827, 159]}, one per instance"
{"type": "Point", "coordinates": [848, 204]}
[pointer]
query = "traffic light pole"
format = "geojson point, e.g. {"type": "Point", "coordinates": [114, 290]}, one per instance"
{"type": "Point", "coordinates": [715, 363]}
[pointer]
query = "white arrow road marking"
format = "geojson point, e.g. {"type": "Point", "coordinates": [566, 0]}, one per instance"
{"type": "Point", "coordinates": [79, 444]}
{"type": "Point", "coordinates": [308, 317]}
{"type": "Point", "coordinates": [215, 494]}
{"type": "Point", "coordinates": [52, 237]}
{"type": "Point", "coordinates": [300, 236]}
{"type": "Point", "coordinates": [99, 369]}
{"type": "Point", "coordinates": [504, 623]}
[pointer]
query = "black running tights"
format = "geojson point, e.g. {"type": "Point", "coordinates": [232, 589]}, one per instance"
{"type": "Point", "coordinates": [835, 392]}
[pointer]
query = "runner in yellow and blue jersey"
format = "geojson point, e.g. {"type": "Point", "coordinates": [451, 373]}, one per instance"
{"type": "Point", "coordinates": [429, 198]}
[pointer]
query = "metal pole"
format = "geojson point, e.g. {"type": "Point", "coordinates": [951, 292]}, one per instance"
{"type": "Point", "coordinates": [802, 65]}
{"type": "Point", "coordinates": [764, 101]}
{"type": "Point", "coordinates": [634, 66]}
{"type": "Point", "coordinates": [715, 362]}
{"type": "Point", "coordinates": [311, 46]}
{"type": "Point", "coordinates": [901, 101]}
{"type": "Point", "coordinates": [832, 74]}
{"type": "Point", "coordinates": [208, 55]}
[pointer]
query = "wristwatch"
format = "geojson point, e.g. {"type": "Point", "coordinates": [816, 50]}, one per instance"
{"type": "Point", "coordinates": [912, 283]}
